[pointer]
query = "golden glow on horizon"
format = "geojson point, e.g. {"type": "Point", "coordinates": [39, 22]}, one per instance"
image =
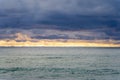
{"type": "Point", "coordinates": [75, 43]}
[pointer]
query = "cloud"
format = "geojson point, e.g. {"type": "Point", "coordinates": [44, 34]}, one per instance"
{"type": "Point", "coordinates": [61, 19]}
{"type": "Point", "coordinates": [66, 14]}
{"type": "Point", "coordinates": [39, 34]}
{"type": "Point", "coordinates": [62, 6]}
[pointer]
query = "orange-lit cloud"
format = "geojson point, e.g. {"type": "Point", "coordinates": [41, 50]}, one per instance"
{"type": "Point", "coordinates": [22, 37]}
{"type": "Point", "coordinates": [29, 42]}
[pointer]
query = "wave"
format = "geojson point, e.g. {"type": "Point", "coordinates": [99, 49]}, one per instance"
{"type": "Point", "coordinates": [63, 70]}
{"type": "Point", "coordinates": [6, 70]}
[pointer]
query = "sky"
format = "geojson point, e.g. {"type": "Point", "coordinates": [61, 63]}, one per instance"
{"type": "Point", "coordinates": [62, 22]}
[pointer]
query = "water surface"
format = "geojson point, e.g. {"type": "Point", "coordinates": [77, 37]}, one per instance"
{"type": "Point", "coordinates": [59, 63]}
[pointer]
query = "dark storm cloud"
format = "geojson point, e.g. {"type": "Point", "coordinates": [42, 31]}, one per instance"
{"type": "Point", "coordinates": [52, 37]}
{"type": "Point", "coordinates": [70, 14]}
{"type": "Point", "coordinates": [96, 16]}
{"type": "Point", "coordinates": [7, 37]}
{"type": "Point", "coordinates": [83, 22]}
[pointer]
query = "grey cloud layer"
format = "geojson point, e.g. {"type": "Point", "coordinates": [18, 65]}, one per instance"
{"type": "Point", "coordinates": [38, 34]}
{"type": "Point", "coordinates": [46, 7]}
{"type": "Point", "coordinates": [22, 13]}
{"type": "Point", "coordinates": [100, 17]}
{"type": "Point", "coordinates": [63, 6]}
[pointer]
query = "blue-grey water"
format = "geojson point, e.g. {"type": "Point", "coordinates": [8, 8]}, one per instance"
{"type": "Point", "coordinates": [59, 63]}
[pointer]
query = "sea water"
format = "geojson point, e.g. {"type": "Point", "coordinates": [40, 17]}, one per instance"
{"type": "Point", "coordinates": [55, 63]}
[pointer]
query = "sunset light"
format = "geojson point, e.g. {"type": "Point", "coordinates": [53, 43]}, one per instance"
{"type": "Point", "coordinates": [23, 40]}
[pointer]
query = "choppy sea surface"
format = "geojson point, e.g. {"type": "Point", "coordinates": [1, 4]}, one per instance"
{"type": "Point", "coordinates": [47, 63]}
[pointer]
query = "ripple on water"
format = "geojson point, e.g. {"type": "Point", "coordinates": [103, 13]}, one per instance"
{"type": "Point", "coordinates": [63, 70]}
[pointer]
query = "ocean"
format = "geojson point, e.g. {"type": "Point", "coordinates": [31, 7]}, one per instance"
{"type": "Point", "coordinates": [59, 63]}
